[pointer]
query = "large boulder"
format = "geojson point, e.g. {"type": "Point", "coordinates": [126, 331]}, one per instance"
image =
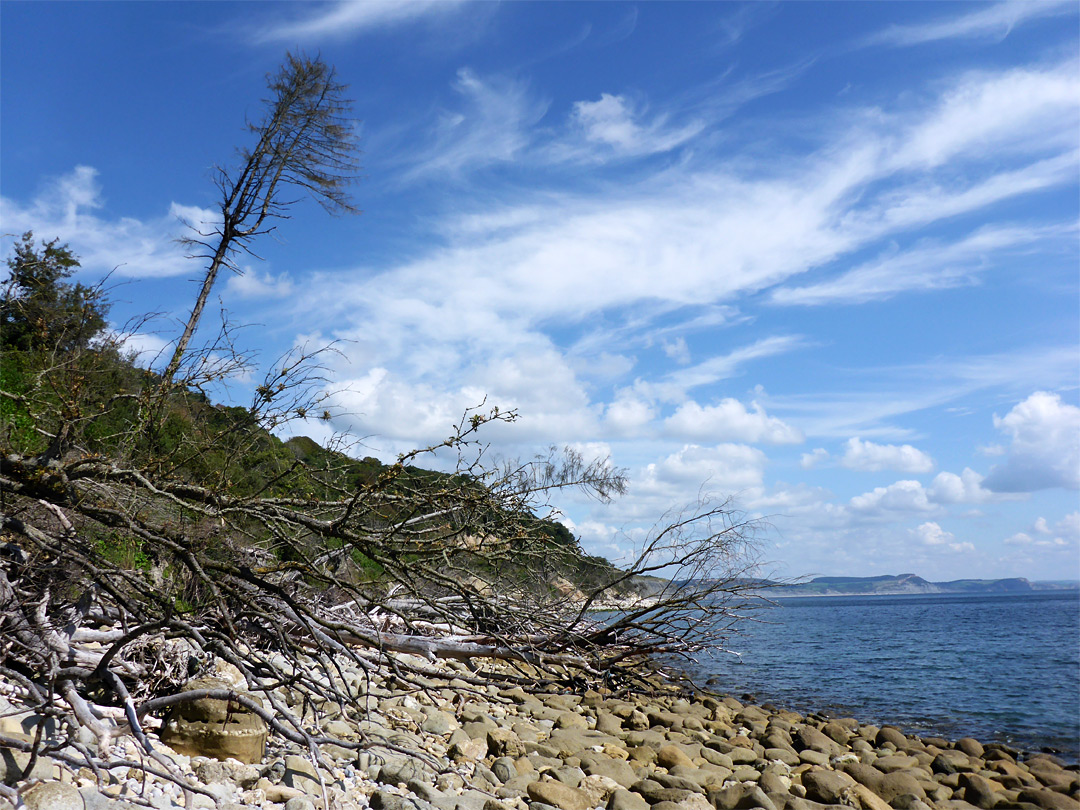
{"type": "Point", "coordinates": [559, 795]}
{"type": "Point", "coordinates": [215, 728]}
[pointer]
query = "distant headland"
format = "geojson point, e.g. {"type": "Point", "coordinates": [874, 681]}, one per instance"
{"type": "Point", "coordinates": [912, 584]}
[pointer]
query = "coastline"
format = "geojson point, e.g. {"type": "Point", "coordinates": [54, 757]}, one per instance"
{"type": "Point", "coordinates": [456, 745]}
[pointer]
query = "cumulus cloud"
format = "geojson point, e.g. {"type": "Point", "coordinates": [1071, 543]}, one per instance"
{"type": "Point", "coordinates": [253, 284]}
{"type": "Point", "coordinates": [1041, 535]}
{"type": "Point", "coordinates": [725, 467]}
{"type": "Point", "coordinates": [729, 420]}
{"type": "Point", "coordinates": [1044, 450]}
{"type": "Point", "coordinates": [67, 208]}
{"type": "Point", "coordinates": [871, 457]}
{"type": "Point", "coordinates": [148, 349]}
{"type": "Point", "coordinates": [814, 458]}
{"type": "Point", "coordinates": [931, 534]}
{"type": "Point", "coordinates": [902, 496]}
{"type": "Point", "coordinates": [627, 414]}
{"type": "Point", "coordinates": [950, 488]}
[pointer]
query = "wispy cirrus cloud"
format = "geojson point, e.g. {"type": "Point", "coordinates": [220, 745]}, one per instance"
{"type": "Point", "coordinates": [493, 125]}
{"type": "Point", "coordinates": [346, 18]}
{"type": "Point", "coordinates": [929, 266]}
{"type": "Point", "coordinates": [993, 21]}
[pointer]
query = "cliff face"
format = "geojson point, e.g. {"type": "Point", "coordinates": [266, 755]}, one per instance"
{"type": "Point", "coordinates": [900, 584]}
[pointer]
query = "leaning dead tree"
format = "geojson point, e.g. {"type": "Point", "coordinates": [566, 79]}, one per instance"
{"type": "Point", "coordinates": [146, 533]}
{"type": "Point", "coordinates": [304, 141]}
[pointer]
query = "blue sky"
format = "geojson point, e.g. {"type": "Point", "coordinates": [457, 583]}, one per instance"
{"type": "Point", "coordinates": [821, 257]}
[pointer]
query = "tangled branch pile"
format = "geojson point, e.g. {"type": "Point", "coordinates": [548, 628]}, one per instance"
{"type": "Point", "coordinates": [148, 536]}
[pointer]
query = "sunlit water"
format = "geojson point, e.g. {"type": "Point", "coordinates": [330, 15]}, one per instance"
{"type": "Point", "coordinates": [1002, 668]}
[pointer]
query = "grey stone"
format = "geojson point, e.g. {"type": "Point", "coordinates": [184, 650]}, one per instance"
{"type": "Point", "coordinates": [979, 791]}
{"type": "Point", "coordinates": [301, 775]}
{"type": "Point", "coordinates": [625, 800]}
{"type": "Point", "coordinates": [558, 795]}
{"type": "Point", "coordinates": [669, 780]}
{"type": "Point", "coordinates": [1048, 799]}
{"type": "Point", "coordinates": [401, 770]}
{"type": "Point", "coordinates": [895, 762]}
{"type": "Point", "coordinates": [13, 762]}
{"type": "Point", "coordinates": [438, 723]}
{"type": "Point", "coordinates": [384, 800]}
{"type": "Point", "coordinates": [424, 790]}
{"type": "Point", "coordinates": [863, 774]}
{"type": "Point", "coordinates": [504, 769]}
{"type": "Point", "coordinates": [672, 755]}
{"type": "Point", "coordinates": [908, 801]}
{"type": "Point", "coordinates": [814, 757]}
{"type": "Point", "coordinates": [211, 771]}
{"type": "Point", "coordinates": [568, 775]}
{"type": "Point", "coordinates": [654, 792]}
{"type": "Point", "coordinates": [298, 803]}
{"type": "Point", "coordinates": [893, 735]}
{"type": "Point", "coordinates": [608, 723]}
{"type": "Point", "coordinates": [898, 783]}
{"type": "Point", "coordinates": [970, 746]}
{"type": "Point", "coordinates": [472, 800]}
{"type": "Point", "coordinates": [740, 797]}
{"type": "Point", "coordinates": [742, 756]}
{"type": "Point", "coordinates": [502, 742]}
{"type": "Point", "coordinates": [826, 787]}
{"type": "Point", "coordinates": [808, 737]}
{"type": "Point", "coordinates": [616, 769]}
{"type": "Point", "coordinates": [771, 783]}
{"type": "Point", "coordinates": [53, 796]}
{"type": "Point", "coordinates": [785, 755]}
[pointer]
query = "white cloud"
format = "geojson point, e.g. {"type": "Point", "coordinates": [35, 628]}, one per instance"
{"type": "Point", "coordinates": [1063, 534]}
{"type": "Point", "coordinates": [673, 386]}
{"type": "Point", "coordinates": [993, 21]}
{"type": "Point", "coordinates": [894, 390]}
{"type": "Point", "coordinates": [253, 284]}
{"type": "Point", "coordinates": [1019, 539]}
{"type": "Point", "coordinates": [65, 209]}
{"type": "Point", "coordinates": [349, 17]}
{"type": "Point", "coordinates": [627, 414]}
{"type": "Point", "coordinates": [1044, 452]}
{"type": "Point", "coordinates": [677, 350]}
{"type": "Point", "coordinates": [493, 126]}
{"type": "Point", "coordinates": [1020, 110]}
{"type": "Point", "coordinates": [729, 420]}
{"type": "Point", "coordinates": [931, 534]}
{"type": "Point", "coordinates": [723, 468]}
{"type": "Point", "coordinates": [871, 457]}
{"type": "Point", "coordinates": [814, 458]}
{"type": "Point", "coordinates": [147, 347]}
{"type": "Point", "coordinates": [902, 496]}
{"type": "Point", "coordinates": [950, 488]}
{"type": "Point", "coordinates": [928, 267]}
{"type": "Point", "coordinates": [613, 123]}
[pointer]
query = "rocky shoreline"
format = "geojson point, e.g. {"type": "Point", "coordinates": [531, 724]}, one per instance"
{"type": "Point", "coordinates": [454, 745]}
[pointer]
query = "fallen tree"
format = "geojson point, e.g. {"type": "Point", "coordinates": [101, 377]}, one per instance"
{"type": "Point", "coordinates": [149, 536]}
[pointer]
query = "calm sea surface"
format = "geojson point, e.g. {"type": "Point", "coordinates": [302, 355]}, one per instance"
{"type": "Point", "coordinates": [997, 668]}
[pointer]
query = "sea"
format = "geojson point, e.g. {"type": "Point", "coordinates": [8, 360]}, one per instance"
{"type": "Point", "coordinates": [999, 668]}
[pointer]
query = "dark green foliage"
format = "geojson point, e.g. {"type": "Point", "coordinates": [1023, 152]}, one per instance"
{"type": "Point", "coordinates": [40, 310]}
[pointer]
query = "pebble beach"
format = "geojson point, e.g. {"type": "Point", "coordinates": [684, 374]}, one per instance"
{"type": "Point", "coordinates": [454, 745]}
